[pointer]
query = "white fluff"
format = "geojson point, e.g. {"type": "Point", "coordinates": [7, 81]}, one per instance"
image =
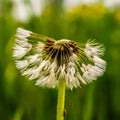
{"type": "Point", "coordinates": [80, 68]}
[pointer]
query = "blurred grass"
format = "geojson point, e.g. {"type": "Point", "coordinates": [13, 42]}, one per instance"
{"type": "Point", "coordinates": [20, 99]}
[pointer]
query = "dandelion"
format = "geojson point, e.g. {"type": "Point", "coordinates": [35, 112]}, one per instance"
{"type": "Point", "coordinates": [57, 63]}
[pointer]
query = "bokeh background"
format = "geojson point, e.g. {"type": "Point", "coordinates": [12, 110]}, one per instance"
{"type": "Point", "coordinates": [20, 99]}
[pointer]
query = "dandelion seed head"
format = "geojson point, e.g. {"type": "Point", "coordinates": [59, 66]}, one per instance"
{"type": "Point", "coordinates": [51, 60]}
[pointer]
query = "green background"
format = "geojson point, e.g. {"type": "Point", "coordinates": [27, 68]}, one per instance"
{"type": "Point", "coordinates": [20, 99]}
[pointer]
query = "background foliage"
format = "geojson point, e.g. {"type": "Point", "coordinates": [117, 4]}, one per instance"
{"type": "Point", "coordinates": [20, 99]}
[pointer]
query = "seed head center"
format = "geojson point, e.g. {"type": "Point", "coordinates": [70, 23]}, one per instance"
{"type": "Point", "coordinates": [61, 50]}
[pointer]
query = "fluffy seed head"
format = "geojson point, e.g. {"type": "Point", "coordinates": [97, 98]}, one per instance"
{"type": "Point", "coordinates": [48, 61]}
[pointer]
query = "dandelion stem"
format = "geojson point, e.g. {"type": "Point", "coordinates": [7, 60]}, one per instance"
{"type": "Point", "coordinates": [61, 100]}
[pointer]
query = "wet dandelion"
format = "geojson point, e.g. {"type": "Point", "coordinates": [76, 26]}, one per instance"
{"type": "Point", "coordinates": [49, 61]}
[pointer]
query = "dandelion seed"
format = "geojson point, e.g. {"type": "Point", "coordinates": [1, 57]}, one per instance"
{"type": "Point", "coordinates": [47, 60]}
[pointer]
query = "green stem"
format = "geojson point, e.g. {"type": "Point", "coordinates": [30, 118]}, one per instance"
{"type": "Point", "coordinates": [61, 100]}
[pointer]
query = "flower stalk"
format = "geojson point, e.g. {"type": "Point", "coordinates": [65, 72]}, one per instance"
{"type": "Point", "coordinates": [61, 100]}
